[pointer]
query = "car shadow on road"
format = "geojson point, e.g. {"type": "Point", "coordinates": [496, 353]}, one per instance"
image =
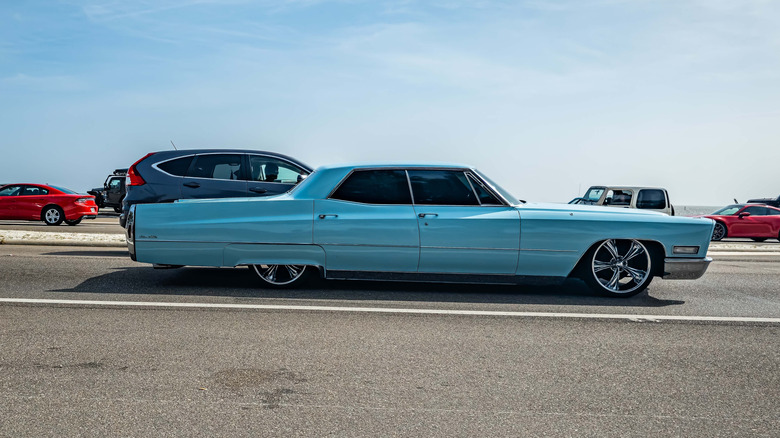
{"type": "Point", "coordinates": [242, 284]}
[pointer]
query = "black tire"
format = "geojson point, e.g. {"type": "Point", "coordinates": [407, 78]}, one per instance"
{"type": "Point", "coordinates": [52, 215]}
{"type": "Point", "coordinates": [74, 221]}
{"type": "Point", "coordinates": [719, 232]}
{"type": "Point", "coordinates": [617, 268]}
{"type": "Point", "coordinates": [758, 239]}
{"type": "Point", "coordinates": [118, 208]}
{"type": "Point", "coordinates": [283, 276]}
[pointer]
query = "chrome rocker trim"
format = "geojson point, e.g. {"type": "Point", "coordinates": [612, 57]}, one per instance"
{"type": "Point", "coordinates": [685, 269]}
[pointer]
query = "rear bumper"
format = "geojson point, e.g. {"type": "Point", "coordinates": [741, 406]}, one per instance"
{"type": "Point", "coordinates": [685, 269]}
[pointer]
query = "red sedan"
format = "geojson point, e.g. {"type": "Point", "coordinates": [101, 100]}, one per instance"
{"type": "Point", "coordinates": [50, 204]}
{"type": "Point", "coordinates": [758, 222]}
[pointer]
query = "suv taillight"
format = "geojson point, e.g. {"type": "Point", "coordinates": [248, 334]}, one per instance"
{"type": "Point", "coordinates": [133, 177]}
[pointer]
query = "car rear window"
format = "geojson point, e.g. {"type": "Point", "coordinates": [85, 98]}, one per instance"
{"type": "Point", "coordinates": [375, 187]}
{"type": "Point", "coordinates": [177, 167]}
{"type": "Point", "coordinates": [651, 198]}
{"type": "Point", "coordinates": [64, 190]}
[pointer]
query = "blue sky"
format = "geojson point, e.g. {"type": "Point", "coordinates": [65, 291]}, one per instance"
{"type": "Point", "coordinates": [547, 97]}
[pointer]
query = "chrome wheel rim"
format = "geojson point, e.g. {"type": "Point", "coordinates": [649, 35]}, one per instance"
{"type": "Point", "coordinates": [279, 275]}
{"type": "Point", "coordinates": [52, 215]}
{"type": "Point", "coordinates": [621, 266]}
{"type": "Point", "coordinates": [719, 232]}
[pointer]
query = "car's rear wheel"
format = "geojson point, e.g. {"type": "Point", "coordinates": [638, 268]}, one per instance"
{"type": "Point", "coordinates": [281, 276]}
{"type": "Point", "coordinates": [719, 232]}
{"type": "Point", "coordinates": [73, 222]}
{"type": "Point", "coordinates": [52, 215]}
{"type": "Point", "coordinates": [618, 268]}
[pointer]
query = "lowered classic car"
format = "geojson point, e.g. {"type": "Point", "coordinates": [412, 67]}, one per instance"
{"type": "Point", "coordinates": [419, 222]}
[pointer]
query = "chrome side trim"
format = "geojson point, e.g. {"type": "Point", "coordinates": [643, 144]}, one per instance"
{"type": "Point", "coordinates": [155, 167]}
{"type": "Point", "coordinates": [685, 269]}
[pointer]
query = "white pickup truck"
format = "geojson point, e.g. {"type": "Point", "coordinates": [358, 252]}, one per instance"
{"type": "Point", "coordinates": [645, 198]}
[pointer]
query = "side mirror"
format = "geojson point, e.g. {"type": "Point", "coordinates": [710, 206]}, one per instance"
{"type": "Point", "coordinates": [745, 214]}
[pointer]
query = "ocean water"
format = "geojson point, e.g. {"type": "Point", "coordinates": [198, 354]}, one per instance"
{"type": "Point", "coordinates": [694, 210]}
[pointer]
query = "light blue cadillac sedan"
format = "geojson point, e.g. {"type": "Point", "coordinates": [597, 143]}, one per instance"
{"type": "Point", "coordinates": [419, 222]}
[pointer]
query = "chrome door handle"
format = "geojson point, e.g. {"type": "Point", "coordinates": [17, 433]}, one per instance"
{"type": "Point", "coordinates": [422, 215]}
{"type": "Point", "coordinates": [257, 190]}
{"type": "Point", "coordinates": [323, 216]}
{"type": "Point", "coordinates": [193, 185]}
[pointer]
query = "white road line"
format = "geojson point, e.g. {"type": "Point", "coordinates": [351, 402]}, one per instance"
{"type": "Point", "coordinates": [650, 318]}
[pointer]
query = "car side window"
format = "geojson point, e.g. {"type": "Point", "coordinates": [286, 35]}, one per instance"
{"type": "Point", "coordinates": [651, 198]}
{"type": "Point", "coordinates": [755, 211]}
{"type": "Point", "coordinates": [441, 187]}
{"type": "Point", "coordinates": [375, 187]}
{"type": "Point", "coordinates": [772, 212]}
{"type": "Point", "coordinates": [177, 167]}
{"type": "Point", "coordinates": [217, 166]}
{"type": "Point", "coordinates": [11, 191]}
{"type": "Point", "coordinates": [267, 169]}
{"type": "Point", "coordinates": [115, 183]}
{"type": "Point", "coordinates": [485, 197]}
{"type": "Point", "coordinates": [618, 197]}
{"type": "Point", "coordinates": [34, 191]}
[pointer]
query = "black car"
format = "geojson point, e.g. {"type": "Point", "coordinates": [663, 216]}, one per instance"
{"type": "Point", "coordinates": [766, 201]}
{"type": "Point", "coordinates": [209, 173]}
{"type": "Point", "coordinates": [113, 191]}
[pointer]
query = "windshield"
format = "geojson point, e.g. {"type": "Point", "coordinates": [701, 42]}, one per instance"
{"type": "Point", "coordinates": [594, 193]}
{"type": "Point", "coordinates": [64, 190]}
{"type": "Point", "coordinates": [728, 211]}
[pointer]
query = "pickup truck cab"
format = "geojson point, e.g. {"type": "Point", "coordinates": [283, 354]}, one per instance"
{"type": "Point", "coordinates": [643, 198]}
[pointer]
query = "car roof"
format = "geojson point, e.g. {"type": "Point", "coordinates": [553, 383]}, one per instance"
{"type": "Point", "coordinates": [626, 187]}
{"type": "Point", "coordinates": [395, 164]}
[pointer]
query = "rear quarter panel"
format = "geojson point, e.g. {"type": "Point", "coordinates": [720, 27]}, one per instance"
{"type": "Point", "coordinates": [222, 232]}
{"type": "Point", "coordinates": [553, 241]}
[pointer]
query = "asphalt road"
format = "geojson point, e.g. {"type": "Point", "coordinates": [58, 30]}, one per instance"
{"type": "Point", "coordinates": [104, 223]}
{"type": "Point", "coordinates": [286, 370]}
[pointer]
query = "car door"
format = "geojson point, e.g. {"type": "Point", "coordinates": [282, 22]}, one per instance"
{"type": "Point", "coordinates": [463, 227]}
{"type": "Point", "coordinates": [756, 224]}
{"type": "Point", "coordinates": [8, 199]}
{"type": "Point", "coordinates": [215, 176]}
{"type": "Point", "coordinates": [31, 202]}
{"type": "Point", "coordinates": [114, 189]}
{"type": "Point", "coordinates": [368, 223]}
{"type": "Point", "coordinates": [271, 175]}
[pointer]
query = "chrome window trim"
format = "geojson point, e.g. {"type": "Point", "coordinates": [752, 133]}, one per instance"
{"type": "Point", "coordinates": [335, 189]}
{"type": "Point", "coordinates": [488, 187]}
{"type": "Point", "coordinates": [155, 166]}
{"type": "Point", "coordinates": [249, 158]}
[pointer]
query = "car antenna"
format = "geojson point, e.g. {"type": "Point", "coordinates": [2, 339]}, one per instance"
{"type": "Point", "coordinates": [174, 146]}
{"type": "Point", "coordinates": [735, 201]}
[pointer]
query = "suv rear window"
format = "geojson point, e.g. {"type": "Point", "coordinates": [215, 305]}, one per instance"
{"type": "Point", "coordinates": [177, 167]}
{"type": "Point", "coordinates": [651, 198]}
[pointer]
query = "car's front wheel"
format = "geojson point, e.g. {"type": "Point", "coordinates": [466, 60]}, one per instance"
{"type": "Point", "coordinates": [52, 215]}
{"type": "Point", "coordinates": [618, 268]}
{"type": "Point", "coordinates": [281, 276]}
{"type": "Point", "coordinates": [73, 222]}
{"type": "Point", "coordinates": [758, 239]}
{"type": "Point", "coordinates": [719, 232]}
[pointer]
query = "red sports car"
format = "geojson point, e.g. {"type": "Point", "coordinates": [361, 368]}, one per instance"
{"type": "Point", "coordinates": [50, 204]}
{"type": "Point", "coordinates": [758, 222]}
